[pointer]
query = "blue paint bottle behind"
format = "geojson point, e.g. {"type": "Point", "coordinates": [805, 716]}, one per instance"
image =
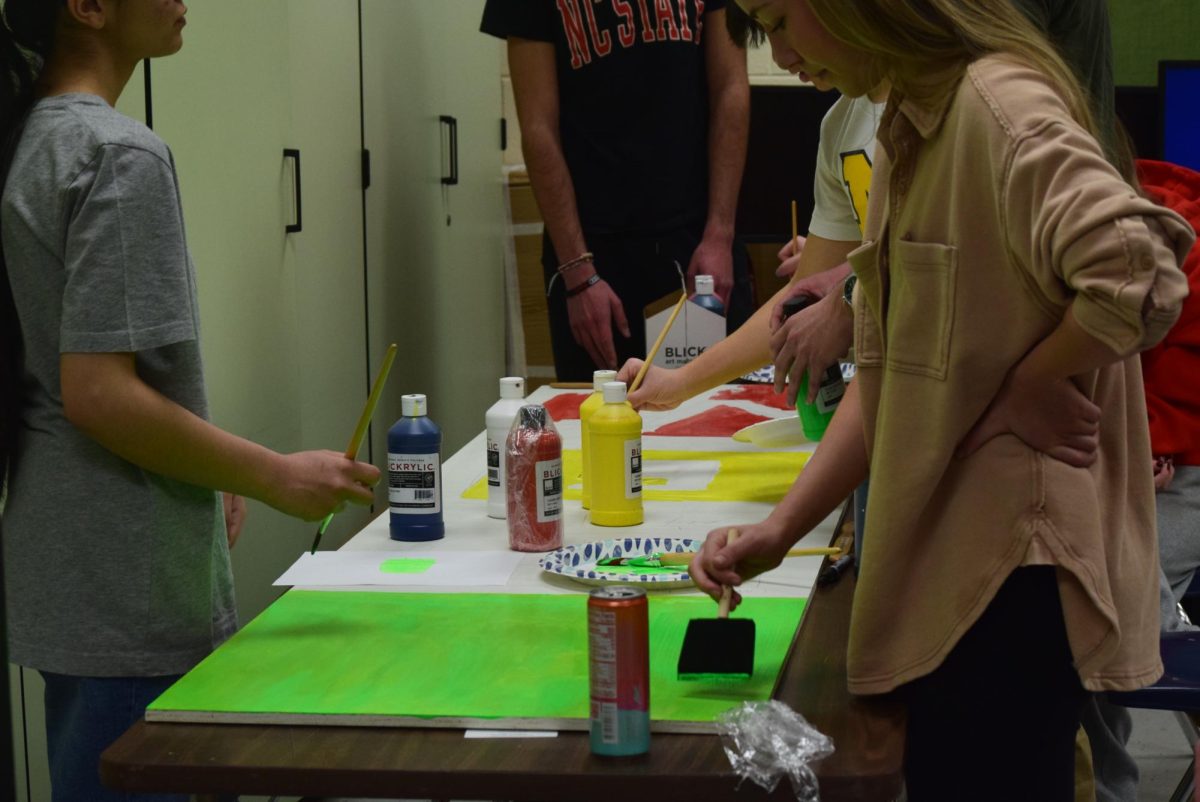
{"type": "Point", "coordinates": [415, 474]}
{"type": "Point", "coordinates": [704, 296]}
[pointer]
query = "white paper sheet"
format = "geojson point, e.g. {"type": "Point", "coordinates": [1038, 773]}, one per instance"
{"type": "Point", "coordinates": [510, 733]}
{"type": "Point", "coordinates": [401, 568]}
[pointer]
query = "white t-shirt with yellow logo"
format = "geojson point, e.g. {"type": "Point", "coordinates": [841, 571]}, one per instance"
{"type": "Point", "coordinates": [844, 161]}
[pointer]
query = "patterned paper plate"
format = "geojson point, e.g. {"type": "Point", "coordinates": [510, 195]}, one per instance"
{"type": "Point", "coordinates": [579, 562]}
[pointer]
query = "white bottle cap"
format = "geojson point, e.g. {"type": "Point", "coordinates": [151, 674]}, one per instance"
{"type": "Point", "coordinates": [704, 285]}
{"type": "Point", "coordinates": [614, 392]}
{"type": "Point", "coordinates": [512, 387]}
{"type": "Point", "coordinates": [413, 406]}
{"type": "Point", "coordinates": [602, 377]}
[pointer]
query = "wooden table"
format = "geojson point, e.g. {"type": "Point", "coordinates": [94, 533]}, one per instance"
{"type": "Point", "coordinates": [441, 764]}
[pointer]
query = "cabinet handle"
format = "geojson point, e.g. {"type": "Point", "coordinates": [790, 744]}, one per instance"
{"type": "Point", "coordinates": [453, 123]}
{"type": "Point", "coordinates": [294, 155]}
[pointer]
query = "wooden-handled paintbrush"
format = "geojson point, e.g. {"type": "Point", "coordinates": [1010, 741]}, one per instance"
{"type": "Point", "coordinates": [684, 558]}
{"type": "Point", "coordinates": [360, 430]}
{"type": "Point", "coordinates": [662, 335]}
{"type": "Point", "coordinates": [721, 647]}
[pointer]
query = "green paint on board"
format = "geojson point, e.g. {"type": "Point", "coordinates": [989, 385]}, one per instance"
{"type": "Point", "coordinates": [406, 565]}
{"type": "Point", "coordinates": [511, 656]}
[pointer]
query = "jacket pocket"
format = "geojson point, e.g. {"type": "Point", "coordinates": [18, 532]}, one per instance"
{"type": "Point", "coordinates": [868, 344]}
{"type": "Point", "coordinates": [920, 317]}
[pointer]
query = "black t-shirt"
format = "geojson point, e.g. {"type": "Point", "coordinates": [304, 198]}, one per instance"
{"type": "Point", "coordinates": [633, 102]}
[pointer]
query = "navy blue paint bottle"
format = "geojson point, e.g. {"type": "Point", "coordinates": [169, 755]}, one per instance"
{"type": "Point", "coordinates": [704, 296]}
{"type": "Point", "coordinates": [415, 474]}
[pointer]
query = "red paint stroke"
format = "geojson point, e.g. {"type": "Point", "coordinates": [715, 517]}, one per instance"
{"type": "Point", "coordinates": [757, 393]}
{"type": "Point", "coordinates": [720, 421]}
{"type": "Point", "coordinates": [565, 406]}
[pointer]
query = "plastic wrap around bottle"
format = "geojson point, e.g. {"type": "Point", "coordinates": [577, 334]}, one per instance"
{"type": "Point", "coordinates": [533, 453]}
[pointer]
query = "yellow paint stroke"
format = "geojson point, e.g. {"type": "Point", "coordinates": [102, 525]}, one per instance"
{"type": "Point", "coordinates": [742, 476]}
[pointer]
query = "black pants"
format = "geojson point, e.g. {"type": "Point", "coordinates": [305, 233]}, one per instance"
{"type": "Point", "coordinates": [640, 268]}
{"type": "Point", "coordinates": [997, 720]}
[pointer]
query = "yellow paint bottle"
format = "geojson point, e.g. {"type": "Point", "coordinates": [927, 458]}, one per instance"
{"type": "Point", "coordinates": [616, 454]}
{"type": "Point", "coordinates": [586, 410]}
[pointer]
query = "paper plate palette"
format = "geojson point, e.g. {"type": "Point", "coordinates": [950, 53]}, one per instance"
{"type": "Point", "coordinates": [579, 562]}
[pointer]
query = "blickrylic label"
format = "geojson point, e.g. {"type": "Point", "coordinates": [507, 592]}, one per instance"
{"type": "Point", "coordinates": [414, 484]}
{"type": "Point", "coordinates": [633, 468]}
{"type": "Point", "coordinates": [831, 390]}
{"type": "Point", "coordinates": [493, 459]}
{"type": "Point", "coordinates": [549, 490]}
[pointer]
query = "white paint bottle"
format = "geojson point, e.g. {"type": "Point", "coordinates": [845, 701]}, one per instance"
{"type": "Point", "coordinates": [498, 420]}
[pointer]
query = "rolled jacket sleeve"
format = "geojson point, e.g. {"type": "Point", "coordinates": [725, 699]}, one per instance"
{"type": "Point", "coordinates": [1073, 221]}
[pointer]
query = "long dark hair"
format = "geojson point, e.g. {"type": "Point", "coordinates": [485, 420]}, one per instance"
{"type": "Point", "coordinates": [26, 36]}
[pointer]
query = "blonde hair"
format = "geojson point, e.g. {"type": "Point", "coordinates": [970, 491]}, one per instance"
{"type": "Point", "coordinates": [924, 46]}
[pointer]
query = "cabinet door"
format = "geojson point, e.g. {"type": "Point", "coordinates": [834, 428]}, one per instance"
{"type": "Point", "coordinates": [435, 260]}
{"type": "Point", "coordinates": [326, 256]}
{"type": "Point", "coordinates": [222, 105]}
{"type": "Point", "coordinates": [471, 357]}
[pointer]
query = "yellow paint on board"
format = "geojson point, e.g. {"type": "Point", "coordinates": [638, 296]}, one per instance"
{"type": "Point", "coordinates": [740, 476]}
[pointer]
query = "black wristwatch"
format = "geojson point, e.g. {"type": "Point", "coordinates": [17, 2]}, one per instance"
{"type": "Point", "coordinates": [848, 289]}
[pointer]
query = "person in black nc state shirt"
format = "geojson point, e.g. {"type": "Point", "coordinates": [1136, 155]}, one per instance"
{"type": "Point", "coordinates": [634, 117]}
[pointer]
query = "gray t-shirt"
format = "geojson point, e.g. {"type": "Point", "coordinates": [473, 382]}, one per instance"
{"type": "Point", "coordinates": [110, 570]}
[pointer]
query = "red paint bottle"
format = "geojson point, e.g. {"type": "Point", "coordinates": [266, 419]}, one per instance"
{"type": "Point", "coordinates": [535, 486]}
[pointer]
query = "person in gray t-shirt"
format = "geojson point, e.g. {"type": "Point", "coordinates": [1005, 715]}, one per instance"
{"type": "Point", "coordinates": [116, 551]}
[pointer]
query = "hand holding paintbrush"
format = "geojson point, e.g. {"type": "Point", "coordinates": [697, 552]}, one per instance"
{"type": "Point", "coordinates": [721, 647]}
{"type": "Point", "coordinates": [360, 430]}
{"type": "Point", "coordinates": [759, 548]}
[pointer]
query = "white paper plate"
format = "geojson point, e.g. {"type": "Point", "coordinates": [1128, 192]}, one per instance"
{"type": "Point", "coordinates": [579, 562]}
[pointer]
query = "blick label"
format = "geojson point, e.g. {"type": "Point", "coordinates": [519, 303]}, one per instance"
{"type": "Point", "coordinates": [414, 484]}
{"type": "Point", "coordinates": [633, 468]}
{"type": "Point", "coordinates": [831, 390]}
{"type": "Point", "coordinates": [493, 462]}
{"type": "Point", "coordinates": [548, 475]}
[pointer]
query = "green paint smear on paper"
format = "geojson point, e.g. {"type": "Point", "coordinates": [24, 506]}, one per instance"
{"type": "Point", "coordinates": [764, 476]}
{"type": "Point", "coordinates": [406, 565]}
{"type": "Point", "coordinates": [678, 571]}
{"type": "Point", "coordinates": [471, 655]}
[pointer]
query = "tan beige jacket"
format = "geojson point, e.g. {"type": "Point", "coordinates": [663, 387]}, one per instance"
{"type": "Point", "coordinates": [968, 261]}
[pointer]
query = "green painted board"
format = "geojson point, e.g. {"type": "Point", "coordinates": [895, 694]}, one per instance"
{"type": "Point", "coordinates": [461, 659]}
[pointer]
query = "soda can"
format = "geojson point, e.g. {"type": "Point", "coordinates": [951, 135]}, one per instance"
{"type": "Point", "coordinates": [619, 670]}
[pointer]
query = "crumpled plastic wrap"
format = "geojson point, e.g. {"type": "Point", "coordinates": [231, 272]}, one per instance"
{"type": "Point", "coordinates": [766, 740]}
{"type": "Point", "coordinates": [534, 462]}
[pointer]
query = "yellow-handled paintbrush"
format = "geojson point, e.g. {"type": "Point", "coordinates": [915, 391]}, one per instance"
{"type": "Point", "coordinates": [662, 335]}
{"type": "Point", "coordinates": [360, 430]}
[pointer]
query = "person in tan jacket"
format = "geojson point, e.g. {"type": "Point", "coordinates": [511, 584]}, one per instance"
{"type": "Point", "coordinates": [1008, 278]}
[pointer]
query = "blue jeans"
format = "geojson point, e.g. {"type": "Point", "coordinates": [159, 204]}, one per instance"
{"type": "Point", "coordinates": [83, 716]}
